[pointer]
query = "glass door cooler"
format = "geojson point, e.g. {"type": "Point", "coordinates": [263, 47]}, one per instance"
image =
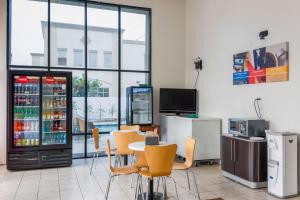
{"type": "Point", "coordinates": [139, 109]}
{"type": "Point", "coordinates": [39, 116]}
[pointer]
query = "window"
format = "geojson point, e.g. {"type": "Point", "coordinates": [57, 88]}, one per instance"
{"type": "Point", "coordinates": [62, 57]}
{"type": "Point", "coordinates": [104, 92]}
{"type": "Point", "coordinates": [103, 100]}
{"type": "Point", "coordinates": [103, 34]}
{"type": "Point", "coordinates": [28, 41]}
{"type": "Point", "coordinates": [135, 39]}
{"type": "Point", "coordinates": [93, 60]}
{"type": "Point", "coordinates": [107, 59]}
{"type": "Point", "coordinates": [105, 56]}
{"type": "Point", "coordinates": [78, 58]}
{"type": "Point", "coordinates": [66, 30]}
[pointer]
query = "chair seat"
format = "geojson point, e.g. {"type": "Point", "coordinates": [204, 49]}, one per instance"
{"type": "Point", "coordinates": [180, 166]}
{"type": "Point", "coordinates": [140, 164]}
{"type": "Point", "coordinates": [145, 173]}
{"type": "Point", "coordinates": [125, 170]}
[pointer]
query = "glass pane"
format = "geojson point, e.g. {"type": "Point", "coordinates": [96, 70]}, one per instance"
{"type": "Point", "coordinates": [78, 100]}
{"type": "Point", "coordinates": [128, 80]}
{"type": "Point", "coordinates": [29, 32]}
{"type": "Point", "coordinates": [26, 111]}
{"type": "Point", "coordinates": [135, 25]}
{"type": "Point", "coordinates": [103, 101]}
{"type": "Point", "coordinates": [102, 36]}
{"type": "Point", "coordinates": [54, 110]}
{"type": "Point", "coordinates": [78, 146]}
{"type": "Point", "coordinates": [67, 33]}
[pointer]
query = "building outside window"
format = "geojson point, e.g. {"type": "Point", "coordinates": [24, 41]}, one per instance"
{"type": "Point", "coordinates": [62, 56]}
{"type": "Point", "coordinates": [78, 57]}
{"type": "Point", "coordinates": [107, 59]}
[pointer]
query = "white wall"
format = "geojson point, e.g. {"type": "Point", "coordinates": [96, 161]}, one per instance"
{"type": "Point", "coordinates": [215, 30]}
{"type": "Point", "coordinates": [168, 51]}
{"type": "Point", "coordinates": [2, 81]}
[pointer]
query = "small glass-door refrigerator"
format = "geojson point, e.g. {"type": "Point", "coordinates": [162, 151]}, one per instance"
{"type": "Point", "coordinates": [39, 120]}
{"type": "Point", "coordinates": [139, 109]}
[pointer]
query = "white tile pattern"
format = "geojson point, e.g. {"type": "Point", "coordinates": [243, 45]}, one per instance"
{"type": "Point", "coordinates": [75, 183]}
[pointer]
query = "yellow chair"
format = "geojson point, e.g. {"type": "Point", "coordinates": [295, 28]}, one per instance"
{"type": "Point", "coordinates": [116, 171]}
{"type": "Point", "coordinates": [130, 128]}
{"type": "Point", "coordinates": [160, 159]}
{"type": "Point", "coordinates": [122, 140]}
{"type": "Point", "coordinates": [95, 135]}
{"type": "Point", "coordinates": [140, 158]}
{"type": "Point", "coordinates": [190, 145]}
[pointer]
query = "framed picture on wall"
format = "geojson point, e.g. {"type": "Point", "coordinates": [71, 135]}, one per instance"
{"type": "Point", "coordinates": [262, 65]}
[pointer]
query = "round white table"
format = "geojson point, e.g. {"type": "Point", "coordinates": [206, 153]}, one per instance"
{"type": "Point", "coordinates": [140, 146]}
{"type": "Point", "coordinates": [125, 131]}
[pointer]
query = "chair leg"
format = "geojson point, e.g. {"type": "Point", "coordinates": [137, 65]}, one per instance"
{"type": "Point", "coordinates": [116, 160]}
{"type": "Point", "coordinates": [136, 187]}
{"type": "Point", "coordinates": [188, 179]}
{"type": "Point", "coordinates": [175, 186]}
{"type": "Point", "coordinates": [132, 177]}
{"type": "Point", "coordinates": [158, 180]}
{"type": "Point", "coordinates": [196, 184]}
{"type": "Point", "coordinates": [120, 161]}
{"type": "Point", "coordinates": [108, 186]}
{"type": "Point", "coordinates": [97, 156]}
{"type": "Point", "coordinates": [164, 182]}
{"type": "Point", "coordinates": [142, 189]}
{"type": "Point", "coordinates": [147, 194]}
{"type": "Point", "coordinates": [92, 163]}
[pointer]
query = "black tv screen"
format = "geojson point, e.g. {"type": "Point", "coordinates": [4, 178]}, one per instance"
{"type": "Point", "coordinates": [177, 100]}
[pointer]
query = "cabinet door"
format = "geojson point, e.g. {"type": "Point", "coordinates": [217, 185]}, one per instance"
{"type": "Point", "coordinates": [227, 154]}
{"type": "Point", "coordinates": [258, 162]}
{"type": "Point", "coordinates": [241, 158]}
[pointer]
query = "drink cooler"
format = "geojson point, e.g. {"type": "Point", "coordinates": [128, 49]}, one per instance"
{"type": "Point", "coordinates": [39, 130]}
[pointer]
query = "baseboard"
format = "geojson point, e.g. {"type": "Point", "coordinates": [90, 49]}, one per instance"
{"type": "Point", "coordinates": [253, 185]}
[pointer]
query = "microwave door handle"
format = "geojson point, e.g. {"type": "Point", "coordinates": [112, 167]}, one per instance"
{"type": "Point", "coordinates": [241, 128]}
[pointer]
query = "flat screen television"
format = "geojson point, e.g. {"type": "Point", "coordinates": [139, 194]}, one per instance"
{"type": "Point", "coordinates": [178, 100]}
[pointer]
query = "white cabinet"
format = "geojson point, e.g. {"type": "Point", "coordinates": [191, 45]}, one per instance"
{"type": "Point", "coordinates": [206, 131]}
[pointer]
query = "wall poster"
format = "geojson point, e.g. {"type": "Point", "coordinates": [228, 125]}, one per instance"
{"type": "Point", "coordinates": [263, 65]}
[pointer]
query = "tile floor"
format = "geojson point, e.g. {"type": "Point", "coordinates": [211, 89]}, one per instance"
{"type": "Point", "coordinates": [75, 183]}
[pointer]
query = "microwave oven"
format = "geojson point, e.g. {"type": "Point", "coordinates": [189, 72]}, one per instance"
{"type": "Point", "coordinates": [247, 127]}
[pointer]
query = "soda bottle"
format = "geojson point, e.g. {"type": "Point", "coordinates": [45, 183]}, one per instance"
{"type": "Point", "coordinates": [21, 126]}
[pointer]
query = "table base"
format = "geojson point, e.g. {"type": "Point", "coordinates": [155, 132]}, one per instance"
{"type": "Point", "coordinates": [156, 196]}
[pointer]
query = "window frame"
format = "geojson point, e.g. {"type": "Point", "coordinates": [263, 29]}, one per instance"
{"type": "Point", "coordinates": [85, 69]}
